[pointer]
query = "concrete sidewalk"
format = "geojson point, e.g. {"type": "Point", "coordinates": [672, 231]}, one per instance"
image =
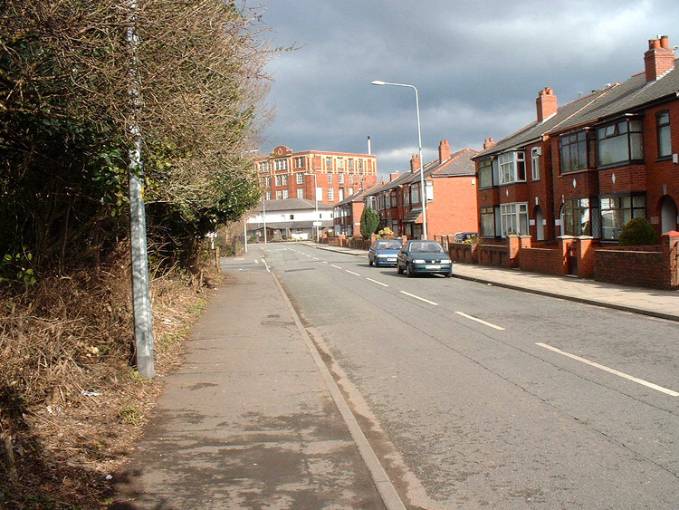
{"type": "Point", "coordinates": [248, 421]}
{"type": "Point", "coordinates": [656, 303]}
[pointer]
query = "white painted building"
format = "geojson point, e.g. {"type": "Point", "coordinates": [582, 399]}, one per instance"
{"type": "Point", "coordinates": [291, 218]}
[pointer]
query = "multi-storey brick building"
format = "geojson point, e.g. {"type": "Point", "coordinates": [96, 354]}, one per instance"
{"type": "Point", "coordinates": [588, 167]}
{"type": "Point", "coordinates": [450, 185]}
{"type": "Point", "coordinates": [287, 174]}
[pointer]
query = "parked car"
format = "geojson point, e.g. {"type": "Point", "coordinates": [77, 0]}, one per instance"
{"type": "Point", "coordinates": [461, 237]}
{"type": "Point", "coordinates": [384, 252]}
{"type": "Point", "coordinates": [420, 257]}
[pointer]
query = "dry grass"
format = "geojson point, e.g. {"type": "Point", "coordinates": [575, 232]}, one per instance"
{"type": "Point", "coordinates": [71, 406]}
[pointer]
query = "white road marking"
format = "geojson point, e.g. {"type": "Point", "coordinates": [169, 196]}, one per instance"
{"type": "Point", "coordinates": [266, 265]}
{"type": "Point", "coordinates": [325, 261]}
{"type": "Point", "coordinates": [594, 364]}
{"type": "Point", "coordinates": [351, 272]}
{"type": "Point", "coordinates": [471, 317]}
{"type": "Point", "coordinates": [256, 261]}
{"type": "Point", "coordinates": [316, 258]}
{"type": "Point", "coordinates": [336, 267]}
{"type": "Point", "coordinates": [418, 297]}
{"type": "Point", "coordinates": [375, 281]}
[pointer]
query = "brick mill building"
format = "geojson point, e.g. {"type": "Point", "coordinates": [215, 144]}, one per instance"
{"type": "Point", "coordinates": [560, 189]}
{"type": "Point", "coordinates": [286, 174]}
{"type": "Point", "coordinates": [450, 184]}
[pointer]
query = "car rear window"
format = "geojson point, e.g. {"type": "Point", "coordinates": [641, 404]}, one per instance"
{"type": "Point", "coordinates": [389, 245]}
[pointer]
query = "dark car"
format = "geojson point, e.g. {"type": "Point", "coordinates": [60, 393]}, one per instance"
{"type": "Point", "coordinates": [461, 237]}
{"type": "Point", "coordinates": [384, 252]}
{"type": "Point", "coordinates": [420, 257]}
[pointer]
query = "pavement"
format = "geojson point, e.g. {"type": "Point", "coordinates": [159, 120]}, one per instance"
{"type": "Point", "coordinates": [250, 420]}
{"type": "Point", "coordinates": [652, 302]}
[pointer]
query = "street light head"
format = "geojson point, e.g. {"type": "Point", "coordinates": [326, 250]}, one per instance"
{"type": "Point", "coordinates": [377, 82]}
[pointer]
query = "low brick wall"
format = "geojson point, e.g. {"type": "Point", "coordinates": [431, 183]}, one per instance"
{"type": "Point", "coordinates": [463, 252]}
{"type": "Point", "coordinates": [626, 266]}
{"type": "Point", "coordinates": [543, 260]}
{"type": "Point", "coordinates": [359, 244]}
{"type": "Point", "coordinates": [493, 254]}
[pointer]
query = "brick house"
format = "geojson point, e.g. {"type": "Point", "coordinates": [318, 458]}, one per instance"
{"type": "Point", "coordinates": [347, 214]}
{"type": "Point", "coordinates": [450, 184]}
{"type": "Point", "coordinates": [588, 167]}
{"type": "Point", "coordinates": [328, 177]}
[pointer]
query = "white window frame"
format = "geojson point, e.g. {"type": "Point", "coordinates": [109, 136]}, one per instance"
{"type": "Point", "coordinates": [285, 194]}
{"type": "Point", "coordinates": [510, 214]}
{"type": "Point", "coordinates": [300, 178]}
{"type": "Point", "coordinates": [535, 163]}
{"type": "Point", "coordinates": [341, 178]}
{"type": "Point", "coordinates": [319, 194]}
{"type": "Point", "coordinates": [281, 164]}
{"type": "Point", "coordinates": [268, 195]}
{"type": "Point", "coordinates": [331, 194]}
{"type": "Point", "coordinates": [300, 193]}
{"type": "Point", "coordinates": [508, 164]}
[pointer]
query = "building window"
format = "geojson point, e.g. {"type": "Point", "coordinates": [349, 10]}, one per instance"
{"type": "Point", "coordinates": [360, 165]}
{"type": "Point", "coordinates": [619, 142]}
{"type": "Point", "coordinates": [281, 180]}
{"type": "Point", "coordinates": [331, 194]}
{"type": "Point", "coordinates": [340, 164]}
{"type": "Point", "coordinates": [268, 195]}
{"type": "Point", "coordinates": [285, 194]}
{"type": "Point", "coordinates": [299, 178]}
{"type": "Point", "coordinates": [486, 173]}
{"type": "Point", "coordinates": [487, 222]}
{"type": "Point", "coordinates": [267, 181]}
{"type": "Point", "coordinates": [281, 164]}
{"type": "Point", "coordinates": [319, 194]}
{"type": "Point", "coordinates": [664, 134]}
{"type": "Point", "coordinates": [279, 195]}
{"type": "Point", "coordinates": [406, 197]}
{"type": "Point", "coordinates": [300, 193]}
{"type": "Point", "coordinates": [328, 164]}
{"type": "Point", "coordinates": [576, 217]}
{"type": "Point", "coordinates": [351, 191]}
{"type": "Point", "coordinates": [415, 194]}
{"type": "Point", "coordinates": [340, 177]}
{"type": "Point", "coordinates": [514, 218]}
{"type": "Point", "coordinates": [350, 164]}
{"type": "Point", "coordinates": [512, 167]}
{"type": "Point", "coordinates": [616, 211]}
{"type": "Point", "coordinates": [264, 166]}
{"type": "Point", "coordinates": [535, 163]}
{"type": "Point", "coordinates": [573, 151]}
{"type": "Point", "coordinates": [340, 194]}
{"type": "Point", "coordinates": [299, 162]}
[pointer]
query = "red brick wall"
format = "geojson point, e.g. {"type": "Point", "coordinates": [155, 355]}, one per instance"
{"type": "Point", "coordinates": [542, 260]}
{"type": "Point", "coordinates": [454, 206]}
{"type": "Point", "coordinates": [626, 267]}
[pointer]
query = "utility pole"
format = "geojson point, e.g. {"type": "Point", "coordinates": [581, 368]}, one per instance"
{"type": "Point", "coordinates": [264, 216]}
{"type": "Point", "coordinates": [141, 298]}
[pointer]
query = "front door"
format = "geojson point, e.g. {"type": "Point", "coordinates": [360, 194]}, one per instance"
{"type": "Point", "coordinates": [539, 225]}
{"type": "Point", "coordinates": [668, 215]}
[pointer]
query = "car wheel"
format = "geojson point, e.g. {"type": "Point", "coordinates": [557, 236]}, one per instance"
{"type": "Point", "coordinates": [448, 274]}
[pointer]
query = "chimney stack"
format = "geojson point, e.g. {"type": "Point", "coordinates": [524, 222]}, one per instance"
{"type": "Point", "coordinates": [394, 175]}
{"type": "Point", "coordinates": [444, 151]}
{"type": "Point", "coordinates": [546, 103]}
{"type": "Point", "coordinates": [414, 163]}
{"type": "Point", "coordinates": [659, 59]}
{"type": "Point", "coordinates": [488, 143]}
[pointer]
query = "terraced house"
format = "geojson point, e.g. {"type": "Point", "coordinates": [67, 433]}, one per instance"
{"type": "Point", "coordinates": [582, 171]}
{"type": "Point", "coordinates": [450, 185]}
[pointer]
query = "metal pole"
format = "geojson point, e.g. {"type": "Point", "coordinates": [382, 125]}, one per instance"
{"type": "Point", "coordinates": [423, 194]}
{"type": "Point", "coordinates": [141, 299]}
{"type": "Point", "coordinates": [264, 216]}
{"type": "Point", "coordinates": [245, 233]}
{"type": "Point", "coordinates": [318, 236]}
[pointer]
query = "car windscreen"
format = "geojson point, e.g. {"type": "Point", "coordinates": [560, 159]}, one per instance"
{"type": "Point", "coordinates": [388, 245]}
{"type": "Point", "coordinates": [425, 246]}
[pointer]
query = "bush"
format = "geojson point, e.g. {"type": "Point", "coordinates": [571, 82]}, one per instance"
{"type": "Point", "coordinates": [370, 220]}
{"type": "Point", "coordinates": [386, 232]}
{"type": "Point", "coordinates": [638, 231]}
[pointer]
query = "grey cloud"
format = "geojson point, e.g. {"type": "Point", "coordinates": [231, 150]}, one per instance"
{"type": "Point", "coordinates": [478, 66]}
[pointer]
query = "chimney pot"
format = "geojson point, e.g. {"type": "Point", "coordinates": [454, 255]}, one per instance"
{"type": "Point", "coordinates": [665, 41]}
{"type": "Point", "coordinates": [488, 143]}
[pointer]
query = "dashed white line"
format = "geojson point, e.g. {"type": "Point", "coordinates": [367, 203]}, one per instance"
{"type": "Point", "coordinates": [336, 267]}
{"type": "Point", "coordinates": [316, 258]}
{"type": "Point", "coordinates": [325, 262]}
{"type": "Point", "coordinates": [594, 364]}
{"type": "Point", "coordinates": [418, 297]}
{"type": "Point", "coordinates": [256, 261]}
{"type": "Point", "coordinates": [351, 272]}
{"type": "Point", "coordinates": [375, 281]}
{"type": "Point", "coordinates": [471, 317]}
{"type": "Point", "coordinates": [266, 266]}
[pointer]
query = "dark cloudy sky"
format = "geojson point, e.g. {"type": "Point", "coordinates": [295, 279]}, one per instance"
{"type": "Point", "coordinates": [477, 64]}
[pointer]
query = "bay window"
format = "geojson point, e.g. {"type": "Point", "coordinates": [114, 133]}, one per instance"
{"type": "Point", "coordinates": [576, 218]}
{"type": "Point", "coordinates": [415, 194]}
{"type": "Point", "coordinates": [619, 142]}
{"type": "Point", "coordinates": [573, 151]}
{"type": "Point", "coordinates": [662, 120]}
{"type": "Point", "coordinates": [486, 173]}
{"type": "Point", "coordinates": [512, 167]}
{"type": "Point", "coordinates": [514, 218]}
{"type": "Point", "coordinates": [616, 211]}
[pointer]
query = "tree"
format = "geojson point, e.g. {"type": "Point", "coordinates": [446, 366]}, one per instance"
{"type": "Point", "coordinates": [370, 221]}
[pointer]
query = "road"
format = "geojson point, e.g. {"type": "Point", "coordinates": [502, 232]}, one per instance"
{"type": "Point", "coordinates": [476, 396]}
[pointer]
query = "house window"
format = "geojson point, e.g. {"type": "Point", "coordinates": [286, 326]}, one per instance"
{"type": "Point", "coordinates": [486, 173]}
{"type": "Point", "coordinates": [281, 164]}
{"type": "Point", "coordinates": [328, 164]}
{"type": "Point", "coordinates": [573, 151]}
{"type": "Point", "coordinates": [616, 211]}
{"type": "Point", "coordinates": [415, 194]}
{"type": "Point", "coordinates": [331, 194]}
{"type": "Point", "coordinates": [576, 217]}
{"type": "Point", "coordinates": [512, 167]}
{"type": "Point", "coordinates": [487, 222]}
{"type": "Point", "coordinates": [664, 135]}
{"type": "Point", "coordinates": [284, 194]}
{"type": "Point", "coordinates": [535, 163]}
{"type": "Point", "coordinates": [619, 142]}
{"type": "Point", "coordinates": [341, 178]}
{"type": "Point", "coordinates": [350, 164]}
{"type": "Point", "coordinates": [300, 193]}
{"type": "Point", "coordinates": [514, 218]}
{"type": "Point", "coordinates": [299, 178]}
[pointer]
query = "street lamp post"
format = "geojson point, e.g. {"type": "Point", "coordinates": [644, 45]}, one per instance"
{"type": "Point", "coordinates": [423, 191]}
{"type": "Point", "coordinates": [315, 200]}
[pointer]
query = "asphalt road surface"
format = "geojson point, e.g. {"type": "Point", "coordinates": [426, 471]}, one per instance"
{"type": "Point", "coordinates": [476, 396]}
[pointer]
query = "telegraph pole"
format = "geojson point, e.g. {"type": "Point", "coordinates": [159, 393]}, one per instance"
{"type": "Point", "coordinates": [141, 299]}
